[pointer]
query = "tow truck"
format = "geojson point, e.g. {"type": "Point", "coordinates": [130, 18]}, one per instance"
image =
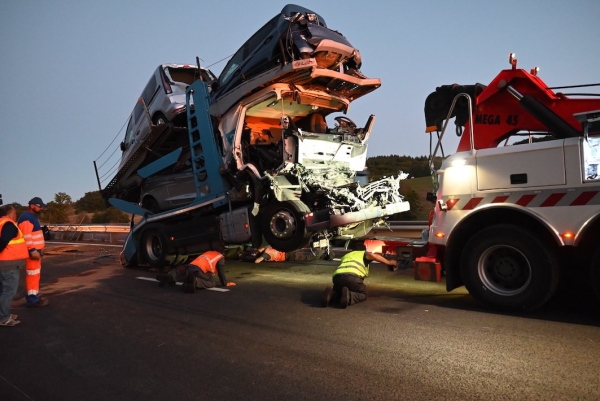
{"type": "Point", "coordinates": [510, 217]}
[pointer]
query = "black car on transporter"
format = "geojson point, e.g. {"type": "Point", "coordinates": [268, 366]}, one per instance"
{"type": "Point", "coordinates": [294, 41]}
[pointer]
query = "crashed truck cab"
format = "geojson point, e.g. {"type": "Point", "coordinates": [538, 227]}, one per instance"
{"type": "Point", "coordinates": [299, 171]}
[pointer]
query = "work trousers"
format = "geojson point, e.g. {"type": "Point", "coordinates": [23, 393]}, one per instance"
{"type": "Point", "coordinates": [33, 269]}
{"type": "Point", "coordinates": [355, 284]}
{"type": "Point", "coordinates": [9, 283]}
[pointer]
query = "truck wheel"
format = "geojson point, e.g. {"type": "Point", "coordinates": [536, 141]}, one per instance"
{"type": "Point", "coordinates": [595, 274]}
{"type": "Point", "coordinates": [153, 249]}
{"type": "Point", "coordinates": [284, 225]}
{"type": "Point", "coordinates": [508, 268]}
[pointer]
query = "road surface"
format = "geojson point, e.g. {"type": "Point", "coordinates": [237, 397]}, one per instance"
{"type": "Point", "coordinates": [111, 334]}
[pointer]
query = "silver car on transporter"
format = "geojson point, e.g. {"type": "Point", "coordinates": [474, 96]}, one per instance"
{"type": "Point", "coordinates": [162, 105]}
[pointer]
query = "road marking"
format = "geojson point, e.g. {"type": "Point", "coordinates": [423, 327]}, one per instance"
{"type": "Point", "coordinates": [211, 289]}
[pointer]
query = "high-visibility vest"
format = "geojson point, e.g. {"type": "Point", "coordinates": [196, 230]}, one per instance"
{"type": "Point", "coordinates": [207, 262]}
{"type": "Point", "coordinates": [30, 227]}
{"type": "Point", "coordinates": [353, 263]}
{"type": "Point", "coordinates": [16, 248]}
{"type": "Point", "coordinates": [276, 256]}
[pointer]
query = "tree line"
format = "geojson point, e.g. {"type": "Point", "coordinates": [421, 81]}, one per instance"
{"type": "Point", "coordinates": [90, 208]}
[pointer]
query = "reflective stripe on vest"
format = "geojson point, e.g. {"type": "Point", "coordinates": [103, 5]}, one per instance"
{"type": "Point", "coordinates": [16, 248]}
{"type": "Point", "coordinates": [30, 227]}
{"type": "Point", "coordinates": [353, 263]}
{"type": "Point", "coordinates": [210, 258]}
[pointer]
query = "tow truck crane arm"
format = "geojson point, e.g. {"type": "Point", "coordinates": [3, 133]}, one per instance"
{"type": "Point", "coordinates": [516, 100]}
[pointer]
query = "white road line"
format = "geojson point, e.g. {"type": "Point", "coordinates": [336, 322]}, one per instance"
{"type": "Point", "coordinates": [156, 281]}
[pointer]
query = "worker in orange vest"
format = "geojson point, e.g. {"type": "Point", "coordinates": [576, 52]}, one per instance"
{"type": "Point", "coordinates": [270, 255]}
{"type": "Point", "coordinates": [13, 253]}
{"type": "Point", "coordinates": [34, 239]}
{"type": "Point", "coordinates": [198, 273]}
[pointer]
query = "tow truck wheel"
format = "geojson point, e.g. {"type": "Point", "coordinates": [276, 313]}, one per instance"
{"type": "Point", "coordinates": [508, 268]}
{"type": "Point", "coordinates": [595, 274]}
{"type": "Point", "coordinates": [284, 225]}
{"type": "Point", "coordinates": [153, 249]}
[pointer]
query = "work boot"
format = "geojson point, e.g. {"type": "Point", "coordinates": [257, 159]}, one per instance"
{"type": "Point", "coordinates": [345, 300]}
{"type": "Point", "coordinates": [326, 296]}
{"type": "Point", "coordinates": [42, 302]}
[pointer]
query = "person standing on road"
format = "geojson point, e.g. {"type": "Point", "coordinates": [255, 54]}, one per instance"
{"type": "Point", "coordinates": [348, 280]}
{"type": "Point", "coordinates": [34, 239]}
{"type": "Point", "coordinates": [13, 254]}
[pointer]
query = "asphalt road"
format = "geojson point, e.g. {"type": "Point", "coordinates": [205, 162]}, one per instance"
{"type": "Point", "coordinates": [108, 335]}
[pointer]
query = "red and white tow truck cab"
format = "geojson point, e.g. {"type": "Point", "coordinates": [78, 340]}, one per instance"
{"type": "Point", "coordinates": [509, 216]}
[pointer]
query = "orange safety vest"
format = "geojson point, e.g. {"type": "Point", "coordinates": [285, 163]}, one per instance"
{"type": "Point", "coordinates": [16, 248]}
{"type": "Point", "coordinates": [276, 256]}
{"type": "Point", "coordinates": [30, 227]}
{"type": "Point", "coordinates": [207, 262]}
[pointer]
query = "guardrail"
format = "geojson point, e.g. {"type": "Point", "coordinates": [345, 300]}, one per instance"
{"type": "Point", "coordinates": [117, 233]}
{"type": "Point", "coordinates": [111, 233]}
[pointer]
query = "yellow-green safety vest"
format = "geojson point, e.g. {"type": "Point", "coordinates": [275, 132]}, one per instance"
{"type": "Point", "coordinates": [353, 263]}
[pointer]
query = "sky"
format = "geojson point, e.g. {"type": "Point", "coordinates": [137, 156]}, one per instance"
{"type": "Point", "coordinates": [71, 71]}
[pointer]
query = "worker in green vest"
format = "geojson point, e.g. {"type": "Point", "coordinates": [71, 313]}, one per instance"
{"type": "Point", "coordinates": [348, 280]}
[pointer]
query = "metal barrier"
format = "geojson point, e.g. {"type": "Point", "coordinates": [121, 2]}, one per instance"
{"type": "Point", "coordinates": [113, 233]}
{"type": "Point", "coordinates": [116, 233]}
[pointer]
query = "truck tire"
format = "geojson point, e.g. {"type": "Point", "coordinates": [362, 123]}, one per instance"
{"type": "Point", "coordinates": [153, 249]}
{"type": "Point", "coordinates": [595, 274]}
{"type": "Point", "coordinates": [508, 268]}
{"type": "Point", "coordinates": [284, 225]}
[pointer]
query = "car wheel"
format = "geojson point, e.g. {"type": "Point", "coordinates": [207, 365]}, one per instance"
{"type": "Point", "coordinates": [153, 249]}
{"type": "Point", "coordinates": [151, 205]}
{"type": "Point", "coordinates": [508, 268]}
{"type": "Point", "coordinates": [284, 225]}
{"type": "Point", "coordinates": [160, 118]}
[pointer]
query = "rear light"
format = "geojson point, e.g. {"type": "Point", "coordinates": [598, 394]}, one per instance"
{"type": "Point", "coordinates": [166, 84]}
{"type": "Point", "coordinates": [178, 110]}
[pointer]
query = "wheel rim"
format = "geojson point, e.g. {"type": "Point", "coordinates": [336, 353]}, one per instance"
{"type": "Point", "coordinates": [504, 270]}
{"type": "Point", "coordinates": [154, 247]}
{"type": "Point", "coordinates": [283, 224]}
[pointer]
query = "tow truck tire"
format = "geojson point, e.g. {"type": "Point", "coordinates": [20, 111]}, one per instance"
{"type": "Point", "coordinates": [508, 268]}
{"type": "Point", "coordinates": [595, 274]}
{"type": "Point", "coordinates": [153, 249]}
{"type": "Point", "coordinates": [284, 225]}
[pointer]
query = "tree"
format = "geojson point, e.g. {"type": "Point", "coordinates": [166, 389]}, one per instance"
{"type": "Point", "coordinates": [90, 202]}
{"type": "Point", "coordinates": [58, 210]}
{"type": "Point", "coordinates": [110, 215]}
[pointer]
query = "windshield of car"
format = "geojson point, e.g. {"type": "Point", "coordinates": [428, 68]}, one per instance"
{"type": "Point", "coordinates": [184, 76]}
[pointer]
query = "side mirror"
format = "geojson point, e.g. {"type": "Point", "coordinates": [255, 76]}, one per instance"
{"type": "Point", "coordinates": [431, 197]}
{"type": "Point", "coordinates": [123, 147]}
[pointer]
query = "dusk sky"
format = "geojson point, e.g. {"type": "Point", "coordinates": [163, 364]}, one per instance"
{"type": "Point", "coordinates": [71, 71]}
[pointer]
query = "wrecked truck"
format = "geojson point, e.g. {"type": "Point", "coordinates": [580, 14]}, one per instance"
{"type": "Point", "coordinates": [273, 170]}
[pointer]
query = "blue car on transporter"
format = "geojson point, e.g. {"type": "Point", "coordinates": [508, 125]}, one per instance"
{"type": "Point", "coordinates": [286, 49]}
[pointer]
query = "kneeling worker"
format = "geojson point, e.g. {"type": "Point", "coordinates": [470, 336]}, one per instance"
{"type": "Point", "coordinates": [199, 272]}
{"type": "Point", "coordinates": [348, 280]}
